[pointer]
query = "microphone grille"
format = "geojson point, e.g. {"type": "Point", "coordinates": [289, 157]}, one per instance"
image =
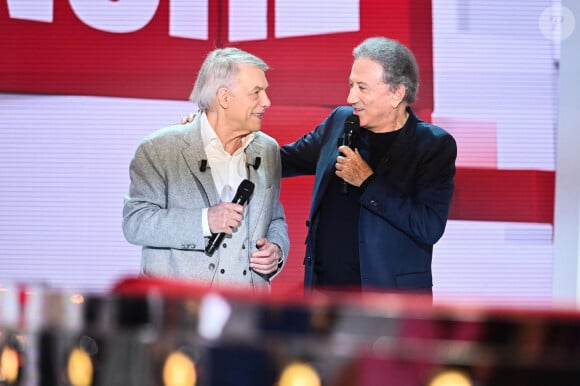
{"type": "Point", "coordinates": [352, 122]}
{"type": "Point", "coordinates": [246, 188]}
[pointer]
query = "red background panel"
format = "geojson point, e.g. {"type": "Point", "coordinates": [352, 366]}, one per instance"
{"type": "Point", "coordinates": [504, 195]}
{"type": "Point", "coordinates": [70, 57]}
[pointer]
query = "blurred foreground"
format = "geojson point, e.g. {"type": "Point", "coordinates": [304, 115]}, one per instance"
{"type": "Point", "coordinates": [170, 333]}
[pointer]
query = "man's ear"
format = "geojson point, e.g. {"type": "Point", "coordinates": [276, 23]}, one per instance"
{"type": "Point", "coordinates": [223, 96]}
{"type": "Point", "coordinates": [398, 96]}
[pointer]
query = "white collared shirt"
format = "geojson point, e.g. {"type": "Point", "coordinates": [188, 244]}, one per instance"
{"type": "Point", "coordinates": [227, 170]}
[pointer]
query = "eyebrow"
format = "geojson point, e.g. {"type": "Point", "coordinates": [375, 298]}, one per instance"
{"type": "Point", "coordinates": [257, 88]}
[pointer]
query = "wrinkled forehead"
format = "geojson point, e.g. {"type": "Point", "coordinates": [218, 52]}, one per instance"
{"type": "Point", "coordinates": [366, 70]}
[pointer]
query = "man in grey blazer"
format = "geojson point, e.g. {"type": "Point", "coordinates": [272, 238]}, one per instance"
{"type": "Point", "coordinates": [183, 179]}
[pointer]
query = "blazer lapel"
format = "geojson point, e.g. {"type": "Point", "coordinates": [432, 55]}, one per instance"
{"type": "Point", "coordinates": [194, 154]}
{"type": "Point", "coordinates": [259, 178]}
{"type": "Point", "coordinates": [401, 152]}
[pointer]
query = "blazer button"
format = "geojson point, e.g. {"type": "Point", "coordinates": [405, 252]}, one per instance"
{"type": "Point", "coordinates": [244, 273]}
{"type": "Point", "coordinates": [374, 203]}
{"type": "Point", "coordinates": [211, 266]}
{"type": "Point", "coordinates": [224, 245]}
{"type": "Point", "coordinates": [222, 271]}
{"type": "Point", "coordinates": [244, 246]}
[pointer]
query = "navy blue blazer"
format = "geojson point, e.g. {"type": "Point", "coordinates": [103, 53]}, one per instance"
{"type": "Point", "coordinates": [404, 208]}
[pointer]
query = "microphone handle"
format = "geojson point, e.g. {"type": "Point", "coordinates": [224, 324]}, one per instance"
{"type": "Point", "coordinates": [216, 238]}
{"type": "Point", "coordinates": [214, 242]}
{"type": "Point", "coordinates": [347, 142]}
{"type": "Point", "coordinates": [344, 188]}
{"type": "Point", "coordinates": [242, 195]}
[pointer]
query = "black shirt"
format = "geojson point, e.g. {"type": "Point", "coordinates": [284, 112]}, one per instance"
{"type": "Point", "coordinates": [337, 254]}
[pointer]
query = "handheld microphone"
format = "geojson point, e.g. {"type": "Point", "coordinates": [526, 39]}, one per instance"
{"type": "Point", "coordinates": [351, 130]}
{"type": "Point", "coordinates": [243, 193]}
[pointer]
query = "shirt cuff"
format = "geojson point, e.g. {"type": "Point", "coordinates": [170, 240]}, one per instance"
{"type": "Point", "coordinates": [205, 223]}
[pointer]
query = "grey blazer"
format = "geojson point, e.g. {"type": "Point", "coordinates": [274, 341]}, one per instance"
{"type": "Point", "coordinates": [168, 191]}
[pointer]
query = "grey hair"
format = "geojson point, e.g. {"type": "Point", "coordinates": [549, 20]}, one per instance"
{"type": "Point", "coordinates": [399, 64]}
{"type": "Point", "coordinates": [219, 69]}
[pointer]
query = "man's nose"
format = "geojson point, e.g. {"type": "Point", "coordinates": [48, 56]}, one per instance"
{"type": "Point", "coordinates": [265, 101]}
{"type": "Point", "coordinates": [351, 98]}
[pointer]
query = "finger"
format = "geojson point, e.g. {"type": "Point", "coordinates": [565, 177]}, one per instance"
{"type": "Point", "coordinates": [347, 151]}
{"type": "Point", "coordinates": [236, 216]}
{"type": "Point", "coordinates": [259, 255]}
{"type": "Point", "coordinates": [263, 271]}
{"type": "Point", "coordinates": [266, 255]}
{"type": "Point", "coordinates": [237, 208]}
{"type": "Point", "coordinates": [261, 243]}
{"type": "Point", "coordinates": [260, 262]}
{"type": "Point", "coordinates": [230, 207]}
{"type": "Point", "coordinates": [262, 265]}
{"type": "Point", "coordinates": [234, 222]}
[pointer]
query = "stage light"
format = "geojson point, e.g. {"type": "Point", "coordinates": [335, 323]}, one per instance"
{"type": "Point", "coordinates": [299, 374]}
{"type": "Point", "coordinates": [77, 299]}
{"type": "Point", "coordinates": [179, 370]}
{"type": "Point", "coordinates": [80, 368]}
{"type": "Point", "coordinates": [9, 366]}
{"type": "Point", "coordinates": [214, 313]}
{"type": "Point", "coordinates": [450, 378]}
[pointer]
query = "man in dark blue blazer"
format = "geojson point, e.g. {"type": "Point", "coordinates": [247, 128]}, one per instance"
{"type": "Point", "coordinates": [377, 231]}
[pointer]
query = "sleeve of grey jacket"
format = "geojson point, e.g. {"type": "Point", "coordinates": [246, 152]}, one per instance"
{"type": "Point", "coordinates": [147, 220]}
{"type": "Point", "coordinates": [278, 230]}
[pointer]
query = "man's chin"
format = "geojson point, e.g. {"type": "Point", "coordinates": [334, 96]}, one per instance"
{"type": "Point", "coordinates": [256, 128]}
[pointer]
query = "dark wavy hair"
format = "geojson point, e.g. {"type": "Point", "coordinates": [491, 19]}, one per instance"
{"type": "Point", "coordinates": [399, 64]}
